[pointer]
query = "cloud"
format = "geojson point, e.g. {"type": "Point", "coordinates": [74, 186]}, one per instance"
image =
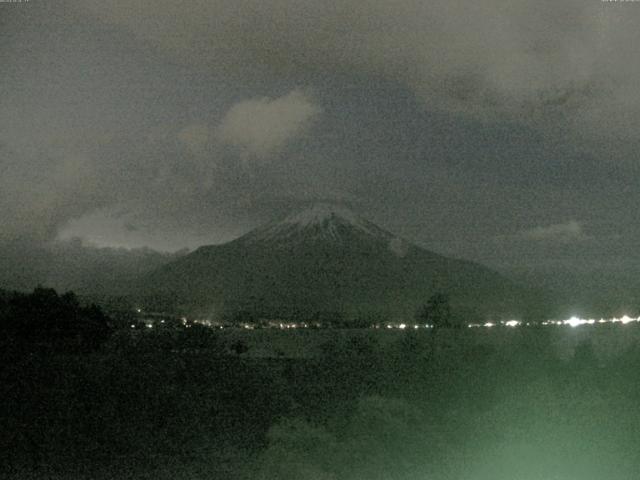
{"type": "Point", "coordinates": [109, 227]}
{"type": "Point", "coordinates": [527, 60]}
{"type": "Point", "coordinates": [38, 191]}
{"type": "Point", "coordinates": [572, 231]}
{"type": "Point", "coordinates": [195, 137]}
{"type": "Point", "coordinates": [260, 127]}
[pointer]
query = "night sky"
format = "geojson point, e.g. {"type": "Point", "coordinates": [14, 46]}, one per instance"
{"type": "Point", "coordinates": [502, 132]}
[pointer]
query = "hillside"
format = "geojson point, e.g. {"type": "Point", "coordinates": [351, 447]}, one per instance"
{"type": "Point", "coordinates": [69, 265]}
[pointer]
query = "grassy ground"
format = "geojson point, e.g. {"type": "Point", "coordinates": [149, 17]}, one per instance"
{"type": "Point", "coordinates": [527, 404]}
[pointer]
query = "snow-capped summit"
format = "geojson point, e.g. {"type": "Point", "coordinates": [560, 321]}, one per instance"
{"type": "Point", "coordinates": [319, 221]}
{"type": "Point", "coordinates": [319, 213]}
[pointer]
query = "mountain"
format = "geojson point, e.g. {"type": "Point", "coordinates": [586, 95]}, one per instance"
{"type": "Point", "coordinates": [327, 261]}
{"type": "Point", "coordinates": [69, 265]}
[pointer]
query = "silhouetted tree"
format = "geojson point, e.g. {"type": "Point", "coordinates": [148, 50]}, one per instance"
{"type": "Point", "coordinates": [436, 312]}
{"type": "Point", "coordinates": [47, 319]}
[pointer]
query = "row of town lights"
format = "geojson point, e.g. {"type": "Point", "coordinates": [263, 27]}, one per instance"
{"type": "Point", "coordinates": [572, 322]}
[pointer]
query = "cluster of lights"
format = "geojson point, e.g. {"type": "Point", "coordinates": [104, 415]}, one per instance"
{"type": "Point", "coordinates": [507, 323]}
{"type": "Point", "coordinates": [402, 326]}
{"type": "Point", "coordinates": [285, 326]}
{"type": "Point", "coordinates": [576, 322]}
{"type": "Point", "coordinates": [571, 322]}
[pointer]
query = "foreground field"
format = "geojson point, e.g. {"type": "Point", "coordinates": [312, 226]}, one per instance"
{"type": "Point", "coordinates": [531, 404]}
{"type": "Point", "coordinates": [606, 340]}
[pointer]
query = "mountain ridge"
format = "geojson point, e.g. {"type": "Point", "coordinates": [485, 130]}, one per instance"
{"type": "Point", "coordinates": [326, 260]}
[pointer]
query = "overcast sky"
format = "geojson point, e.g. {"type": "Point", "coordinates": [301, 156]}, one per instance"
{"type": "Point", "coordinates": [503, 132]}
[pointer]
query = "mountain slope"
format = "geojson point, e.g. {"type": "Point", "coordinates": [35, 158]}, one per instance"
{"type": "Point", "coordinates": [326, 261]}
